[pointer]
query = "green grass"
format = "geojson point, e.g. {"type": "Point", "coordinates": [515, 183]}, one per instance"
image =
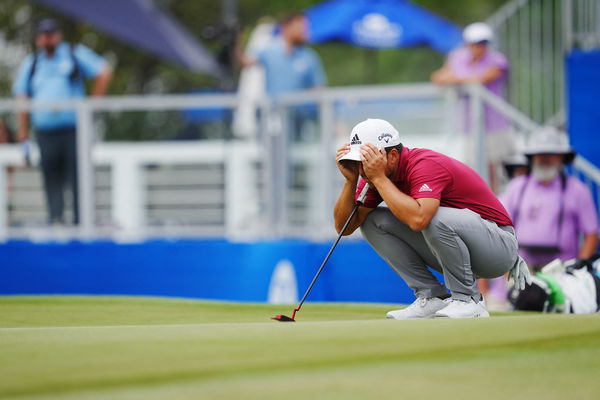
{"type": "Point", "coordinates": [145, 348]}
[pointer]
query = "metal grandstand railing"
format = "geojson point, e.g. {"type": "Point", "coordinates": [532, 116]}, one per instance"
{"type": "Point", "coordinates": [536, 35]}
{"type": "Point", "coordinates": [282, 182]}
{"type": "Point", "coordinates": [271, 185]}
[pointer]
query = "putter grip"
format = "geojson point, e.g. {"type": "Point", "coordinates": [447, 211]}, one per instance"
{"type": "Point", "coordinates": [363, 194]}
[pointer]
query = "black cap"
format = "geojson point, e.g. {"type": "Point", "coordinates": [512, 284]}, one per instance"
{"type": "Point", "coordinates": [47, 25]}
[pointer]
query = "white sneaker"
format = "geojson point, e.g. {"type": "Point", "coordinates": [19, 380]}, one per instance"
{"type": "Point", "coordinates": [420, 308]}
{"type": "Point", "coordinates": [485, 312]}
{"type": "Point", "coordinates": [462, 309]}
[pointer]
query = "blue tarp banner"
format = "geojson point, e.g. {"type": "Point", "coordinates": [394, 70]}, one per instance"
{"type": "Point", "coordinates": [141, 24]}
{"type": "Point", "coordinates": [583, 89]}
{"type": "Point", "coordinates": [206, 269]}
{"type": "Point", "coordinates": [380, 24]}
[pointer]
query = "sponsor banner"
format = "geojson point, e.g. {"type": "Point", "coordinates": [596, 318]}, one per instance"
{"type": "Point", "coordinates": [276, 271]}
{"type": "Point", "coordinates": [376, 30]}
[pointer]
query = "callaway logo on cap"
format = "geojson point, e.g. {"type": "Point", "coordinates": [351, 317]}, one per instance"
{"type": "Point", "coordinates": [377, 132]}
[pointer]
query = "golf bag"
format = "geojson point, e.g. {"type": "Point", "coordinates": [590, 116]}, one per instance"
{"type": "Point", "coordinates": [562, 287]}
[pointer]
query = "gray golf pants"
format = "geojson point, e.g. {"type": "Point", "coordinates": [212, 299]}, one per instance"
{"type": "Point", "coordinates": [458, 243]}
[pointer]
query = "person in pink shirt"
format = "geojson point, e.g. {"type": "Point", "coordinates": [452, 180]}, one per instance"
{"type": "Point", "coordinates": [554, 214]}
{"type": "Point", "coordinates": [440, 214]}
{"type": "Point", "coordinates": [477, 63]}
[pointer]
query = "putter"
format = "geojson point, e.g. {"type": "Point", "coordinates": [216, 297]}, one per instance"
{"type": "Point", "coordinates": [359, 201]}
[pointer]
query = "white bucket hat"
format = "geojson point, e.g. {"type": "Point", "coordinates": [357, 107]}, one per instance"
{"type": "Point", "coordinates": [515, 160]}
{"type": "Point", "coordinates": [478, 32]}
{"type": "Point", "coordinates": [377, 132]}
{"type": "Point", "coordinates": [549, 140]}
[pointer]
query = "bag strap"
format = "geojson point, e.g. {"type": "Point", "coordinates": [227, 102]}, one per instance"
{"type": "Point", "coordinates": [29, 89]}
{"type": "Point", "coordinates": [74, 76]}
{"type": "Point", "coordinates": [561, 213]}
{"type": "Point", "coordinates": [520, 199]}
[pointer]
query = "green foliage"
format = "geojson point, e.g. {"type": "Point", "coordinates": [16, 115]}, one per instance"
{"type": "Point", "coordinates": [138, 72]}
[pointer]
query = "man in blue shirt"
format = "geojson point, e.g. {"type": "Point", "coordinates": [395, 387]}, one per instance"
{"type": "Point", "coordinates": [57, 71]}
{"type": "Point", "coordinates": [290, 65]}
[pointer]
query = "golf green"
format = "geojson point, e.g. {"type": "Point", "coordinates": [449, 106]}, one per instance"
{"type": "Point", "coordinates": [149, 348]}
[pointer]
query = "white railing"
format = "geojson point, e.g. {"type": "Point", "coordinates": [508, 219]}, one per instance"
{"type": "Point", "coordinates": [271, 185]}
{"type": "Point", "coordinates": [258, 200]}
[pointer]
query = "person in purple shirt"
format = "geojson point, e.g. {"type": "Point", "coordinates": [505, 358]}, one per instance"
{"type": "Point", "coordinates": [553, 214]}
{"type": "Point", "coordinates": [476, 63]}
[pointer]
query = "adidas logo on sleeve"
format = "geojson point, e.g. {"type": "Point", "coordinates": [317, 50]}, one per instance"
{"type": "Point", "coordinates": [425, 188]}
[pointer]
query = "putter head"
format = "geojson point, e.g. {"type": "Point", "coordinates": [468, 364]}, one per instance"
{"type": "Point", "coordinates": [283, 318]}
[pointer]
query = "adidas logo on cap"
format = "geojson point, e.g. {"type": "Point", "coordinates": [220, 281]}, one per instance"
{"type": "Point", "coordinates": [355, 140]}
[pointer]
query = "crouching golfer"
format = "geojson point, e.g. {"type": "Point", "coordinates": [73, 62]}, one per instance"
{"type": "Point", "coordinates": [440, 214]}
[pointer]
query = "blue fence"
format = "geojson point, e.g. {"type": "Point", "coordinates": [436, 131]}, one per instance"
{"type": "Point", "coordinates": [207, 269]}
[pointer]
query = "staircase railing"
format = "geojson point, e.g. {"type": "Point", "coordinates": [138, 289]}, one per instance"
{"type": "Point", "coordinates": [535, 35]}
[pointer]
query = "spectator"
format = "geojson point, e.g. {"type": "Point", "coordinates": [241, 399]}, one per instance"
{"type": "Point", "coordinates": [57, 71]}
{"type": "Point", "coordinates": [476, 63]}
{"type": "Point", "coordinates": [515, 165]}
{"type": "Point", "coordinates": [549, 209]}
{"type": "Point", "coordinates": [251, 85]}
{"type": "Point", "coordinates": [289, 65]}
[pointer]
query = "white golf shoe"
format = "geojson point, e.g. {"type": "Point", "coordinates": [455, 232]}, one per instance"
{"type": "Point", "coordinates": [420, 308]}
{"type": "Point", "coordinates": [462, 309]}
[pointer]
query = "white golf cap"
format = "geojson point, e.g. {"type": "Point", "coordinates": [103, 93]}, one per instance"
{"type": "Point", "coordinates": [377, 132]}
{"type": "Point", "coordinates": [478, 32]}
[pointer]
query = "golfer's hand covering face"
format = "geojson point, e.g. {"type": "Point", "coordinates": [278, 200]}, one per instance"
{"type": "Point", "coordinates": [374, 161]}
{"type": "Point", "coordinates": [348, 168]}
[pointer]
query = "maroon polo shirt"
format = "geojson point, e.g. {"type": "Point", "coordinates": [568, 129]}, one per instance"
{"type": "Point", "coordinates": [424, 173]}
